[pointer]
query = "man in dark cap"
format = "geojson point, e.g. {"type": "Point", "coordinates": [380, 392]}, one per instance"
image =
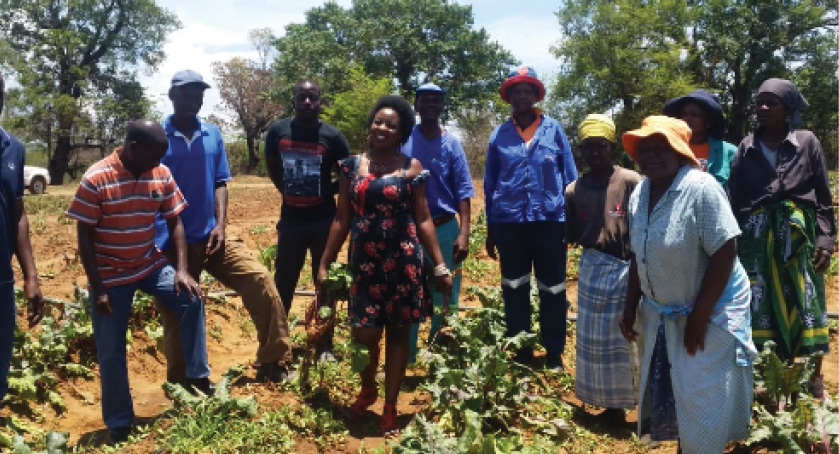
{"type": "Point", "coordinates": [198, 162]}
{"type": "Point", "coordinates": [14, 240]}
{"type": "Point", "coordinates": [115, 206]}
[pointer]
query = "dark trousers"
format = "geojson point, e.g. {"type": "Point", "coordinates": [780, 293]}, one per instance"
{"type": "Point", "coordinates": [541, 247]}
{"type": "Point", "coordinates": [294, 239]}
{"type": "Point", "coordinates": [7, 334]}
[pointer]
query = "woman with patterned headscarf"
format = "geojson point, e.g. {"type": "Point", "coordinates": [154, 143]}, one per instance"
{"type": "Point", "coordinates": [780, 194]}
{"type": "Point", "coordinates": [595, 207]}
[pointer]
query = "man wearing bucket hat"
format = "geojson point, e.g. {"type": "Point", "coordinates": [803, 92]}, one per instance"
{"type": "Point", "coordinates": [198, 161]}
{"type": "Point", "coordinates": [596, 219]}
{"type": "Point", "coordinates": [528, 166]}
{"type": "Point", "coordinates": [702, 112]}
{"type": "Point", "coordinates": [449, 191]}
{"type": "Point", "coordinates": [696, 360]}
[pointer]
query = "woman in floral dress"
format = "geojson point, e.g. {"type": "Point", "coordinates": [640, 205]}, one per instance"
{"type": "Point", "coordinates": [382, 203]}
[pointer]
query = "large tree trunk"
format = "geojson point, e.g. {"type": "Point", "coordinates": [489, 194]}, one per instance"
{"type": "Point", "coordinates": [253, 155]}
{"type": "Point", "coordinates": [59, 162]}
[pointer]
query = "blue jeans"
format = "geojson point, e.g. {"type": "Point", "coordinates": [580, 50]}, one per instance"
{"type": "Point", "coordinates": [446, 235]}
{"type": "Point", "coordinates": [541, 247]}
{"type": "Point", "coordinates": [109, 333]}
{"type": "Point", "coordinates": [7, 334]}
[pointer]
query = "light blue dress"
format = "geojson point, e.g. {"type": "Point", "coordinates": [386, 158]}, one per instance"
{"type": "Point", "coordinates": [672, 247]}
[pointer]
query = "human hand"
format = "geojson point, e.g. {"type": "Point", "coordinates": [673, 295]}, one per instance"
{"type": "Point", "coordinates": [695, 329]}
{"type": "Point", "coordinates": [460, 249]}
{"type": "Point", "coordinates": [490, 248]}
{"type": "Point", "coordinates": [320, 278]}
{"type": "Point", "coordinates": [626, 324]}
{"type": "Point", "coordinates": [821, 259]}
{"type": "Point", "coordinates": [102, 303]}
{"type": "Point", "coordinates": [444, 286]}
{"type": "Point", "coordinates": [183, 281]}
{"type": "Point", "coordinates": [216, 239]}
{"type": "Point", "coordinates": [35, 301]}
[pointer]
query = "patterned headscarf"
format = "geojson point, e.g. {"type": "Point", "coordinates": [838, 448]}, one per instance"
{"type": "Point", "coordinates": [597, 125]}
{"type": "Point", "coordinates": [790, 96]}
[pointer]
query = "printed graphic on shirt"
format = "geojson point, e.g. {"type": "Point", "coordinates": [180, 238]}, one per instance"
{"type": "Point", "coordinates": [301, 172]}
{"type": "Point", "coordinates": [619, 211]}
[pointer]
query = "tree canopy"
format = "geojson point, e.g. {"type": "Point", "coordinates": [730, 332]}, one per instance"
{"type": "Point", "coordinates": [410, 41]}
{"type": "Point", "coordinates": [72, 59]}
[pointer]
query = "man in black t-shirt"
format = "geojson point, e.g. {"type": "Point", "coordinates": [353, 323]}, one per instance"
{"type": "Point", "coordinates": [300, 154]}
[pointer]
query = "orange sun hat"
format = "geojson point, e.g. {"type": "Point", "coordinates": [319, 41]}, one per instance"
{"type": "Point", "coordinates": [676, 131]}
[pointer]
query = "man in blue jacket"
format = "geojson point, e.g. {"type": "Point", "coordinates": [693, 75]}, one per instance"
{"type": "Point", "coordinates": [528, 165]}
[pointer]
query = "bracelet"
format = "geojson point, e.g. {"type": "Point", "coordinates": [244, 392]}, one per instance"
{"type": "Point", "coordinates": [441, 270]}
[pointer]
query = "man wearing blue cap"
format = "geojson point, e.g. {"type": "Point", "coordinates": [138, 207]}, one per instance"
{"type": "Point", "coordinates": [198, 161]}
{"type": "Point", "coordinates": [449, 192]}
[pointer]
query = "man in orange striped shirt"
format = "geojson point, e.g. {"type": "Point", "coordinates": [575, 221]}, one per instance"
{"type": "Point", "coordinates": [115, 206]}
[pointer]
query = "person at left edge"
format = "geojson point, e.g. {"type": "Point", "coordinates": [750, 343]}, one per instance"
{"type": "Point", "coordinates": [449, 192]}
{"type": "Point", "coordinates": [528, 166]}
{"type": "Point", "coordinates": [115, 206]}
{"type": "Point", "coordinates": [198, 162]}
{"type": "Point", "coordinates": [14, 240]}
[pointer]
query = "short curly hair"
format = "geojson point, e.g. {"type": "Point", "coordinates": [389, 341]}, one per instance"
{"type": "Point", "coordinates": [403, 110]}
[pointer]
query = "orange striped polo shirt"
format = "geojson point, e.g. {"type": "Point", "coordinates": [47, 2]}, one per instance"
{"type": "Point", "coordinates": [123, 208]}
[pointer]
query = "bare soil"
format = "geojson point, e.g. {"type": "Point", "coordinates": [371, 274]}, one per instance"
{"type": "Point", "coordinates": [253, 212]}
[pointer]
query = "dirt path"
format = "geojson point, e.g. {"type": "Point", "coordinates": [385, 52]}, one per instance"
{"type": "Point", "coordinates": [253, 211]}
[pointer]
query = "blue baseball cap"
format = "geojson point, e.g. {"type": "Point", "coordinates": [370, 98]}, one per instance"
{"type": "Point", "coordinates": [428, 88]}
{"type": "Point", "coordinates": [187, 77]}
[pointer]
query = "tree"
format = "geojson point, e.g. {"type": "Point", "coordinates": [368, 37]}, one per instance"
{"type": "Point", "coordinates": [68, 54]}
{"type": "Point", "coordinates": [619, 56]}
{"type": "Point", "coordinates": [410, 41]}
{"type": "Point", "coordinates": [348, 109]}
{"type": "Point", "coordinates": [737, 44]}
{"type": "Point", "coordinates": [244, 87]}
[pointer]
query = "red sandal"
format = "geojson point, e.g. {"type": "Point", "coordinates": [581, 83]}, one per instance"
{"type": "Point", "coordinates": [390, 427]}
{"type": "Point", "coordinates": [365, 399]}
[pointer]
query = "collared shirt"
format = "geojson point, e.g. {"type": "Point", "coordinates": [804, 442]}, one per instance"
{"type": "Point", "coordinates": [449, 180]}
{"type": "Point", "coordinates": [198, 165]}
{"type": "Point", "coordinates": [526, 182]}
{"type": "Point", "coordinates": [674, 243]}
{"type": "Point", "coordinates": [122, 208]}
{"type": "Point", "coordinates": [529, 132]}
{"type": "Point", "coordinates": [800, 175]}
{"type": "Point", "coordinates": [11, 188]}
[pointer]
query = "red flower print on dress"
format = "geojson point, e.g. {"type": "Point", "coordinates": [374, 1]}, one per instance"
{"type": "Point", "coordinates": [391, 192]}
{"type": "Point", "coordinates": [416, 313]}
{"type": "Point", "coordinates": [412, 229]}
{"type": "Point", "coordinates": [374, 292]}
{"type": "Point", "coordinates": [406, 313]}
{"type": "Point", "coordinates": [388, 223]}
{"type": "Point", "coordinates": [370, 310]}
{"type": "Point", "coordinates": [370, 248]}
{"type": "Point", "coordinates": [389, 307]}
{"type": "Point", "coordinates": [389, 265]}
{"type": "Point", "coordinates": [411, 271]}
{"type": "Point", "coordinates": [353, 289]}
{"type": "Point", "coordinates": [408, 247]}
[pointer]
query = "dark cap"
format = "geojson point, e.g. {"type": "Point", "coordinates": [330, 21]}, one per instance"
{"type": "Point", "coordinates": [709, 102]}
{"type": "Point", "coordinates": [187, 77]}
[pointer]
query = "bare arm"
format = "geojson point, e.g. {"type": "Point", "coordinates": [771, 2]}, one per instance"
{"type": "Point", "coordinates": [338, 231]}
{"type": "Point", "coordinates": [216, 238]}
{"type": "Point", "coordinates": [182, 277]}
{"type": "Point", "coordinates": [271, 161]}
{"type": "Point", "coordinates": [31, 287]}
{"type": "Point", "coordinates": [99, 294]}
{"type": "Point", "coordinates": [461, 244]}
{"type": "Point", "coordinates": [630, 308]}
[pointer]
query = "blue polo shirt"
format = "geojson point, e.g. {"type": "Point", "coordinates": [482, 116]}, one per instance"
{"type": "Point", "coordinates": [11, 189]}
{"type": "Point", "coordinates": [198, 164]}
{"type": "Point", "coordinates": [449, 181]}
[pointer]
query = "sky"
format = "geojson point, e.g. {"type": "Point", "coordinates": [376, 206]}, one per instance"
{"type": "Point", "coordinates": [217, 30]}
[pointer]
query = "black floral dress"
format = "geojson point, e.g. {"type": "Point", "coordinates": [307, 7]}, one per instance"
{"type": "Point", "coordinates": [385, 254]}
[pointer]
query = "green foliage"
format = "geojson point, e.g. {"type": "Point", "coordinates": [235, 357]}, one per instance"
{"type": "Point", "coordinates": [338, 280]}
{"type": "Point", "coordinates": [55, 443]}
{"type": "Point", "coordinates": [77, 64]}
{"type": "Point", "coordinates": [787, 414]}
{"type": "Point", "coordinates": [348, 109]}
{"type": "Point", "coordinates": [268, 257]}
{"type": "Point", "coordinates": [408, 41]}
{"type": "Point", "coordinates": [475, 266]}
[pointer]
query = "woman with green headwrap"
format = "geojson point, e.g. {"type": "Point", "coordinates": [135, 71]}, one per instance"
{"type": "Point", "coordinates": [780, 194]}
{"type": "Point", "coordinates": [596, 219]}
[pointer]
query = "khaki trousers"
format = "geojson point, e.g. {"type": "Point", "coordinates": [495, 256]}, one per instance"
{"type": "Point", "coordinates": [235, 267]}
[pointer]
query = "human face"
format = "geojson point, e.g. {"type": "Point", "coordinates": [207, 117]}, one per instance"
{"type": "Point", "coordinates": [697, 119]}
{"type": "Point", "coordinates": [597, 153]}
{"type": "Point", "coordinates": [429, 106]}
{"type": "Point", "coordinates": [384, 130]}
{"type": "Point", "coordinates": [307, 101]}
{"type": "Point", "coordinates": [770, 110]}
{"type": "Point", "coordinates": [657, 159]}
{"type": "Point", "coordinates": [187, 100]}
{"type": "Point", "coordinates": [522, 97]}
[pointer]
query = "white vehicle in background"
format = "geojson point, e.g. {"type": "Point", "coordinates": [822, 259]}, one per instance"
{"type": "Point", "coordinates": [36, 179]}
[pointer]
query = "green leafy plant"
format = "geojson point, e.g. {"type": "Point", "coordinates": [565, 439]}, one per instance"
{"type": "Point", "coordinates": [338, 280]}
